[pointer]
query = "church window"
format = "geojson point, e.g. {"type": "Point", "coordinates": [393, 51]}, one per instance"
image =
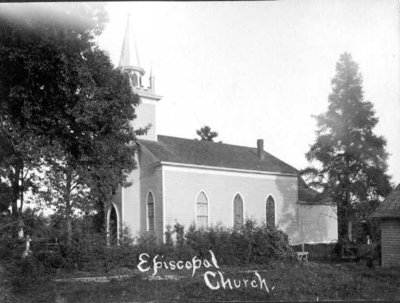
{"type": "Point", "coordinates": [202, 210]}
{"type": "Point", "coordinates": [113, 226]}
{"type": "Point", "coordinates": [237, 212]}
{"type": "Point", "coordinates": [270, 212]}
{"type": "Point", "coordinates": [150, 211]}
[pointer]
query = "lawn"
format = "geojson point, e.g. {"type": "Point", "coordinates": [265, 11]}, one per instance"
{"type": "Point", "coordinates": [285, 282]}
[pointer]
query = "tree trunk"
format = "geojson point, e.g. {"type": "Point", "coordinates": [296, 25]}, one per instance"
{"type": "Point", "coordinates": [21, 191]}
{"type": "Point", "coordinates": [68, 206]}
{"type": "Point", "coordinates": [342, 222]}
{"type": "Point", "coordinates": [16, 189]}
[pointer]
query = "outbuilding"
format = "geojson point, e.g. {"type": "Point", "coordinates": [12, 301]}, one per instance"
{"type": "Point", "coordinates": [389, 214]}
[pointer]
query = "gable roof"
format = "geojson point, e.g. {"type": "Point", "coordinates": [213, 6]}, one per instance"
{"type": "Point", "coordinates": [311, 196]}
{"type": "Point", "coordinates": [390, 207]}
{"type": "Point", "coordinates": [206, 153]}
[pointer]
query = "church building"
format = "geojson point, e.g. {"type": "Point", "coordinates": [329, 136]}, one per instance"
{"type": "Point", "coordinates": [205, 183]}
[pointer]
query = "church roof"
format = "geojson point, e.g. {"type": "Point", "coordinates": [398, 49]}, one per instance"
{"type": "Point", "coordinates": [390, 207]}
{"type": "Point", "coordinates": [206, 153]}
{"type": "Point", "coordinates": [311, 196]}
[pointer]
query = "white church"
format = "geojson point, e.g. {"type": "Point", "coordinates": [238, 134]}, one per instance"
{"type": "Point", "coordinates": [204, 183]}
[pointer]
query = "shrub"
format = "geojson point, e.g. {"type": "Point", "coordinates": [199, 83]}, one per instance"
{"type": "Point", "coordinates": [252, 244]}
{"type": "Point", "coordinates": [88, 251]}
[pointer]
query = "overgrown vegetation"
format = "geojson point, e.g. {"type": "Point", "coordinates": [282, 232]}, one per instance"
{"type": "Point", "coordinates": [88, 253]}
{"type": "Point", "coordinates": [293, 282]}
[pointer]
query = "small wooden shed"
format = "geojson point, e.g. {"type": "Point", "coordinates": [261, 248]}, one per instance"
{"type": "Point", "coordinates": [389, 213]}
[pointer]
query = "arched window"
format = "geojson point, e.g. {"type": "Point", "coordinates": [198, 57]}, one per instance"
{"type": "Point", "coordinates": [150, 212]}
{"type": "Point", "coordinates": [113, 226]}
{"type": "Point", "coordinates": [237, 212]}
{"type": "Point", "coordinates": [270, 212]}
{"type": "Point", "coordinates": [202, 210]}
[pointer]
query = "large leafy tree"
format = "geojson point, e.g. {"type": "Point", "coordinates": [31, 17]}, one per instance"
{"type": "Point", "coordinates": [63, 107]}
{"type": "Point", "coordinates": [350, 159]}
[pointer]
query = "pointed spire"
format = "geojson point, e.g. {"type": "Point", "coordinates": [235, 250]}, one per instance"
{"type": "Point", "coordinates": [129, 59]}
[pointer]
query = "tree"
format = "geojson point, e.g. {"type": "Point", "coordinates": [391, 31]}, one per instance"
{"type": "Point", "coordinates": [351, 159]}
{"type": "Point", "coordinates": [206, 134]}
{"type": "Point", "coordinates": [64, 107]}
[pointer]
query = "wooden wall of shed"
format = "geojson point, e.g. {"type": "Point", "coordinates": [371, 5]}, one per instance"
{"type": "Point", "coordinates": [390, 242]}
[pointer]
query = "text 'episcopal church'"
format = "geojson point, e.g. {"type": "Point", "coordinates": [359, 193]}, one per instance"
{"type": "Point", "coordinates": [205, 183]}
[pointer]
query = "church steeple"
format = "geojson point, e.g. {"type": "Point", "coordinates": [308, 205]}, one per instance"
{"type": "Point", "coordinates": [129, 60]}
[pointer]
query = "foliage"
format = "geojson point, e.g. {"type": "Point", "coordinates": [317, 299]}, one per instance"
{"type": "Point", "coordinates": [36, 80]}
{"type": "Point", "coordinates": [252, 244]}
{"type": "Point", "coordinates": [65, 111]}
{"type": "Point", "coordinates": [350, 159]}
{"type": "Point", "coordinates": [206, 134]}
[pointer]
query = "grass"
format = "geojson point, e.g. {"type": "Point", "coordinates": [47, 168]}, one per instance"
{"type": "Point", "coordinates": [292, 282]}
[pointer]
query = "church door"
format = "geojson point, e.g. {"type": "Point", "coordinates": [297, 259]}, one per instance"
{"type": "Point", "coordinates": [270, 212]}
{"type": "Point", "coordinates": [237, 212]}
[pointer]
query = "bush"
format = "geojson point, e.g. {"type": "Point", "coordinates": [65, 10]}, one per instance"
{"type": "Point", "coordinates": [88, 251]}
{"type": "Point", "coordinates": [252, 244]}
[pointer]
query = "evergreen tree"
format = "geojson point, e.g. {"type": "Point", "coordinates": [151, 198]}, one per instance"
{"type": "Point", "coordinates": [351, 159]}
{"type": "Point", "coordinates": [206, 134]}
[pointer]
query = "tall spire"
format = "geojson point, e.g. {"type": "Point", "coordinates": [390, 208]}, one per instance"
{"type": "Point", "coordinates": [129, 59]}
{"type": "Point", "coordinates": [129, 63]}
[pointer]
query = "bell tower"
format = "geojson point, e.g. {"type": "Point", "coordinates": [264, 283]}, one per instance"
{"type": "Point", "coordinates": [129, 62]}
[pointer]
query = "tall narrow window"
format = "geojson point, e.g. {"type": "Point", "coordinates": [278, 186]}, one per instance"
{"type": "Point", "coordinates": [202, 210]}
{"type": "Point", "coordinates": [237, 212]}
{"type": "Point", "coordinates": [270, 212]}
{"type": "Point", "coordinates": [113, 226]}
{"type": "Point", "coordinates": [150, 211]}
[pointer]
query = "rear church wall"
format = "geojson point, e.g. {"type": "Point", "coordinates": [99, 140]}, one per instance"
{"type": "Point", "coordinates": [317, 223]}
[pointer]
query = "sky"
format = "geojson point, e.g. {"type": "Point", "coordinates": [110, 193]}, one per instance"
{"type": "Point", "coordinates": [261, 70]}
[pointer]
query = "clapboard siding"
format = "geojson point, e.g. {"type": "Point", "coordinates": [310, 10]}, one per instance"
{"type": "Point", "coordinates": [175, 189]}
{"type": "Point", "coordinates": [181, 187]}
{"type": "Point", "coordinates": [390, 242]}
{"type": "Point", "coordinates": [151, 180]}
{"type": "Point", "coordinates": [131, 202]}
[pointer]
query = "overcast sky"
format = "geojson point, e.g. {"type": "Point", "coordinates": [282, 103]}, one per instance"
{"type": "Point", "coordinates": [255, 70]}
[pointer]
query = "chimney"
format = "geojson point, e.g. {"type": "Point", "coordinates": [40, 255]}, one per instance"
{"type": "Point", "coordinates": [260, 148]}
